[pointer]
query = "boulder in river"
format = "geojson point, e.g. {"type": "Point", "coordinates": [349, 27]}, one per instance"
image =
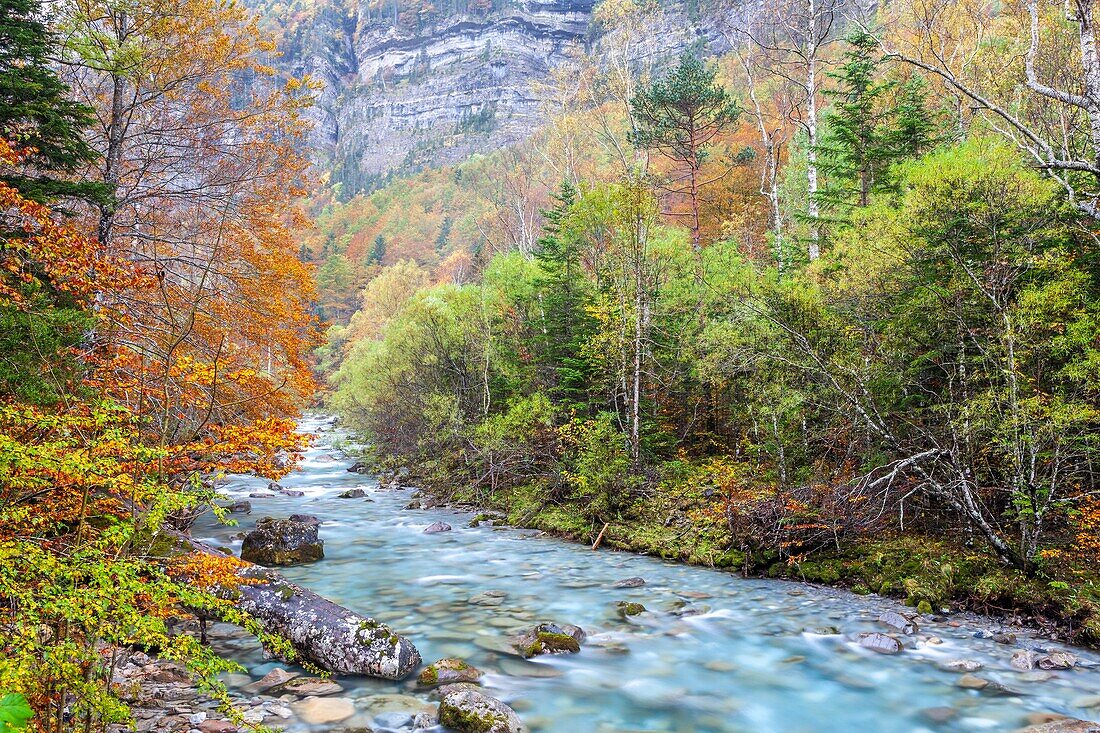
{"type": "Point", "coordinates": [240, 507]}
{"type": "Point", "coordinates": [352, 494]}
{"type": "Point", "coordinates": [625, 609]}
{"type": "Point", "coordinates": [880, 643]}
{"type": "Point", "coordinates": [281, 542]}
{"type": "Point", "coordinates": [629, 583]}
{"type": "Point", "coordinates": [895, 620]}
{"type": "Point", "coordinates": [358, 467]}
{"type": "Point", "coordinates": [1024, 659]}
{"type": "Point", "coordinates": [437, 527]}
{"type": "Point", "coordinates": [471, 711]}
{"type": "Point", "coordinates": [1058, 660]}
{"type": "Point", "coordinates": [550, 639]}
{"type": "Point", "coordinates": [447, 672]}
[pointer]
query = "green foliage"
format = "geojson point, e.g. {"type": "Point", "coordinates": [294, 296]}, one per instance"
{"type": "Point", "coordinates": [682, 112]}
{"type": "Point", "coordinates": [37, 113]}
{"type": "Point", "coordinates": [15, 713]}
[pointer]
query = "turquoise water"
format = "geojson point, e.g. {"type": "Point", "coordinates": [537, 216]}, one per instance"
{"type": "Point", "coordinates": [715, 653]}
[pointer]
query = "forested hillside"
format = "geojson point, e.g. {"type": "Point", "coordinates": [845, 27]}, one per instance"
{"type": "Point", "coordinates": [822, 307]}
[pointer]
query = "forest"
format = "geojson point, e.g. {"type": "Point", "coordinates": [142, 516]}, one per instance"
{"type": "Point", "coordinates": [815, 297]}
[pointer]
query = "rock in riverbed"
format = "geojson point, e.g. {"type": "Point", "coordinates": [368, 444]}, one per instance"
{"type": "Point", "coordinates": [352, 494]}
{"type": "Point", "coordinates": [549, 639]}
{"type": "Point", "coordinates": [470, 711]}
{"type": "Point", "coordinates": [1066, 725]}
{"type": "Point", "coordinates": [880, 643]}
{"type": "Point", "coordinates": [895, 620]}
{"type": "Point", "coordinates": [437, 527]}
{"type": "Point", "coordinates": [281, 542]}
{"type": "Point", "coordinates": [447, 672]}
{"type": "Point", "coordinates": [629, 583]}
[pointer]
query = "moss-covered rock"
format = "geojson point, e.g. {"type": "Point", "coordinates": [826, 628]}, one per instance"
{"type": "Point", "coordinates": [281, 542]}
{"type": "Point", "coordinates": [626, 609]}
{"type": "Point", "coordinates": [549, 639]}
{"type": "Point", "coordinates": [471, 711]}
{"type": "Point", "coordinates": [447, 672]}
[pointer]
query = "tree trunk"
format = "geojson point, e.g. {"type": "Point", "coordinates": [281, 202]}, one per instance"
{"type": "Point", "coordinates": [321, 632]}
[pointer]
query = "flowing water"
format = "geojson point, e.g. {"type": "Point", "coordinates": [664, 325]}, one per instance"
{"type": "Point", "coordinates": [714, 653]}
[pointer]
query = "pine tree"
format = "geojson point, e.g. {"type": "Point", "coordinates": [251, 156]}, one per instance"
{"type": "Point", "coordinates": [914, 131]}
{"type": "Point", "coordinates": [857, 147]}
{"type": "Point", "coordinates": [36, 113]}
{"type": "Point", "coordinates": [565, 324]}
{"type": "Point", "coordinates": [679, 116]}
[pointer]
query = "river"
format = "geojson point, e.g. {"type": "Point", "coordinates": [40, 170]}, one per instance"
{"type": "Point", "coordinates": [715, 653]}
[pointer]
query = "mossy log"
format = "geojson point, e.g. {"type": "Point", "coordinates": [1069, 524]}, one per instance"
{"type": "Point", "coordinates": [321, 632]}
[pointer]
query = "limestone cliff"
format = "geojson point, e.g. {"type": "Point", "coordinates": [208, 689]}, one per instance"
{"type": "Point", "coordinates": [430, 90]}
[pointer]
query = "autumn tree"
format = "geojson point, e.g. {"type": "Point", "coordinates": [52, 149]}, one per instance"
{"type": "Point", "coordinates": [204, 170]}
{"type": "Point", "coordinates": [679, 116]}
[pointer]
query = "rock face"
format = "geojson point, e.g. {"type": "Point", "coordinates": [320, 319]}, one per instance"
{"type": "Point", "coordinates": [281, 542]}
{"type": "Point", "coordinates": [435, 92]}
{"type": "Point", "coordinates": [471, 711]}
{"type": "Point", "coordinates": [550, 639]}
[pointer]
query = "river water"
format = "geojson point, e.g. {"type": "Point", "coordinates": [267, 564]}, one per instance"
{"type": "Point", "coordinates": [715, 653]}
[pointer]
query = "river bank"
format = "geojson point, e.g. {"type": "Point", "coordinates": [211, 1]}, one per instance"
{"type": "Point", "coordinates": [924, 572]}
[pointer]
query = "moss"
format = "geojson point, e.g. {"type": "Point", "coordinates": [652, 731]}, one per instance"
{"type": "Point", "coordinates": [466, 721]}
{"type": "Point", "coordinates": [285, 593]}
{"type": "Point", "coordinates": [628, 608]}
{"type": "Point", "coordinates": [924, 607]}
{"type": "Point", "coordinates": [429, 676]}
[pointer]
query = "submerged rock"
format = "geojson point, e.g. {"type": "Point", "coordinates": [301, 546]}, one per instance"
{"type": "Point", "coordinates": [311, 687]}
{"type": "Point", "coordinates": [625, 609]}
{"type": "Point", "coordinates": [471, 711]}
{"type": "Point", "coordinates": [550, 639]}
{"type": "Point", "coordinates": [321, 710]}
{"type": "Point", "coordinates": [961, 665]}
{"type": "Point", "coordinates": [281, 542]}
{"type": "Point", "coordinates": [437, 527]}
{"type": "Point", "coordinates": [240, 507]}
{"type": "Point", "coordinates": [447, 672]}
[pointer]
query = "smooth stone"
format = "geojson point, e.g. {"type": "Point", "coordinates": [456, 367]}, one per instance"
{"type": "Point", "coordinates": [1064, 725]}
{"type": "Point", "coordinates": [311, 687]}
{"type": "Point", "coordinates": [446, 672]}
{"type": "Point", "coordinates": [961, 665]}
{"type": "Point", "coordinates": [896, 621]}
{"type": "Point", "coordinates": [1038, 675]}
{"type": "Point", "coordinates": [1024, 659]}
{"type": "Point", "coordinates": [880, 643]}
{"type": "Point", "coordinates": [437, 527]}
{"type": "Point", "coordinates": [970, 682]}
{"type": "Point", "coordinates": [488, 598]}
{"type": "Point", "coordinates": [321, 710]}
{"type": "Point", "coordinates": [270, 681]}
{"type": "Point", "coordinates": [939, 715]}
{"type": "Point", "coordinates": [393, 720]}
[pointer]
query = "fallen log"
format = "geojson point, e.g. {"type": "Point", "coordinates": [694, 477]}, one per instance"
{"type": "Point", "coordinates": [321, 632]}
